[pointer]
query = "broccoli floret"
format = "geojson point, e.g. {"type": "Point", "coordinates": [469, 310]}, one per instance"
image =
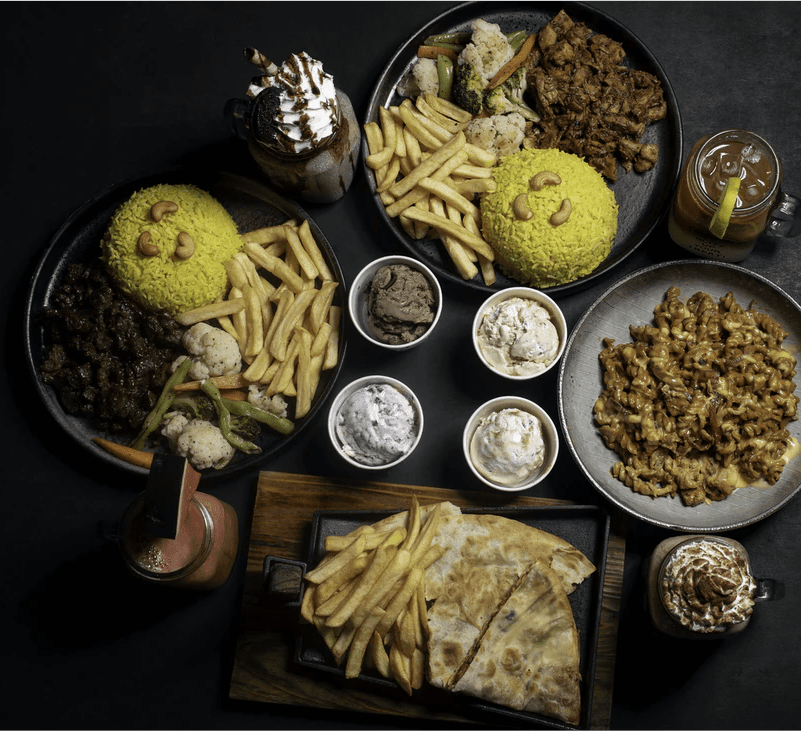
{"type": "Point", "coordinates": [197, 406]}
{"type": "Point", "coordinates": [245, 426]}
{"type": "Point", "coordinates": [508, 97]}
{"type": "Point", "coordinates": [468, 88]}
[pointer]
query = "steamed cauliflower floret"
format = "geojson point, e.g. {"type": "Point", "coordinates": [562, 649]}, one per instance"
{"type": "Point", "coordinates": [171, 427]}
{"type": "Point", "coordinates": [275, 404]}
{"type": "Point", "coordinates": [425, 74]}
{"type": "Point", "coordinates": [216, 353]}
{"type": "Point", "coordinates": [502, 133]}
{"type": "Point", "coordinates": [488, 50]}
{"type": "Point", "coordinates": [203, 444]}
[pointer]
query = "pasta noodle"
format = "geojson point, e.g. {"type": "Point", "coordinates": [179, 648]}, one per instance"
{"type": "Point", "coordinates": [698, 403]}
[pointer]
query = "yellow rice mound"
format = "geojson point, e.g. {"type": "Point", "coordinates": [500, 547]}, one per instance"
{"type": "Point", "coordinates": [164, 282]}
{"type": "Point", "coordinates": [534, 251]}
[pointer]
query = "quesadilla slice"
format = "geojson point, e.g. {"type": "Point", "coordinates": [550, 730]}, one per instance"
{"type": "Point", "coordinates": [528, 657]}
{"type": "Point", "coordinates": [486, 555]}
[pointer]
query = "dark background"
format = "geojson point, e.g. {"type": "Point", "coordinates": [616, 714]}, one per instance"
{"type": "Point", "coordinates": [95, 94]}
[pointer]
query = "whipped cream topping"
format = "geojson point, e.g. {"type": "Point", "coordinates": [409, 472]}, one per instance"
{"type": "Point", "coordinates": [707, 586]}
{"type": "Point", "coordinates": [301, 110]}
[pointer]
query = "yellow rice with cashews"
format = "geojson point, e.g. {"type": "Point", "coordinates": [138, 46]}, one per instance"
{"type": "Point", "coordinates": [164, 281]}
{"type": "Point", "coordinates": [534, 251]}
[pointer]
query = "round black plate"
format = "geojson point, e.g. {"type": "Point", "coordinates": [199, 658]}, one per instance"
{"type": "Point", "coordinates": [642, 198]}
{"type": "Point", "coordinates": [252, 205]}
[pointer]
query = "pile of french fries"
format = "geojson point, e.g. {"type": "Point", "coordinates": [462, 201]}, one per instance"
{"type": "Point", "coordinates": [366, 597]}
{"type": "Point", "coordinates": [279, 308]}
{"type": "Point", "coordinates": [427, 174]}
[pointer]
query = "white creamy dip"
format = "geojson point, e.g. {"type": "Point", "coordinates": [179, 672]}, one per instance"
{"type": "Point", "coordinates": [517, 337]}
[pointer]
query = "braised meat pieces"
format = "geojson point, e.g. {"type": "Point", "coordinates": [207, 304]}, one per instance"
{"type": "Point", "coordinates": [591, 104]}
{"type": "Point", "coordinates": [106, 357]}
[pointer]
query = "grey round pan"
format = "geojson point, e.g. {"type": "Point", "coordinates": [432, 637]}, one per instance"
{"type": "Point", "coordinates": [631, 301]}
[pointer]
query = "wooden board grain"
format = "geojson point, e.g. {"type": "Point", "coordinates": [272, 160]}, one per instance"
{"type": "Point", "coordinates": [282, 520]}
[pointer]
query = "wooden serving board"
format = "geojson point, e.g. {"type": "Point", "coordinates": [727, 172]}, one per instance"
{"type": "Point", "coordinates": [282, 520]}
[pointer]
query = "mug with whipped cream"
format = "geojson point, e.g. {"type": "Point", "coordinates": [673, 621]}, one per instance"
{"type": "Point", "coordinates": [300, 129]}
{"type": "Point", "coordinates": [703, 587]}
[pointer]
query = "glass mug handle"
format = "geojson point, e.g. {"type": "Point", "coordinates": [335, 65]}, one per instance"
{"type": "Point", "coordinates": [236, 114]}
{"type": "Point", "coordinates": [785, 219]}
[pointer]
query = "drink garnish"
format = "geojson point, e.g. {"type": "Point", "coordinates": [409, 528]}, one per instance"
{"type": "Point", "coordinates": [720, 221]}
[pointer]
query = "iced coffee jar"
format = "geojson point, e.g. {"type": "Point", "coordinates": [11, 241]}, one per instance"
{"type": "Point", "coordinates": [761, 206]}
{"type": "Point", "coordinates": [202, 554]}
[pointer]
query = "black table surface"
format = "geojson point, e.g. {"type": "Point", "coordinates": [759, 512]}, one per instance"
{"type": "Point", "coordinates": [97, 93]}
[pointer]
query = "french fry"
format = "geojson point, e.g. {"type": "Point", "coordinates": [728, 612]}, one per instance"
{"type": "Point", "coordinates": [400, 600]}
{"type": "Point", "coordinates": [472, 186]}
{"type": "Point", "coordinates": [365, 583]}
{"type": "Point", "coordinates": [274, 265]}
{"type": "Point", "coordinates": [258, 367]}
{"type": "Point", "coordinates": [485, 264]}
{"type": "Point", "coordinates": [420, 130]}
{"type": "Point", "coordinates": [449, 195]}
{"type": "Point", "coordinates": [340, 543]}
{"type": "Point", "coordinates": [442, 173]}
{"type": "Point", "coordinates": [445, 122]}
{"type": "Point", "coordinates": [429, 165]}
{"type": "Point", "coordinates": [282, 381]}
{"type": "Point", "coordinates": [389, 174]}
{"type": "Point", "coordinates": [404, 635]}
{"type": "Point", "coordinates": [255, 322]}
{"type": "Point", "coordinates": [332, 350]}
{"type": "Point", "coordinates": [413, 152]}
{"type": "Point", "coordinates": [266, 235]}
{"type": "Point", "coordinates": [321, 573]}
{"type": "Point", "coordinates": [446, 226]}
{"type": "Point", "coordinates": [448, 108]}
{"type": "Point", "coordinates": [343, 643]}
{"type": "Point", "coordinates": [400, 665]}
{"type": "Point", "coordinates": [423, 541]}
{"type": "Point", "coordinates": [400, 139]}
{"type": "Point", "coordinates": [361, 639]}
{"type": "Point", "coordinates": [418, 669]}
{"type": "Point", "coordinates": [291, 317]}
{"type": "Point", "coordinates": [382, 586]}
{"type": "Point", "coordinates": [212, 311]}
{"type": "Point", "coordinates": [237, 275]}
{"type": "Point", "coordinates": [374, 137]}
{"type": "Point", "coordinates": [412, 523]}
{"type": "Point", "coordinates": [390, 128]}
{"type": "Point", "coordinates": [336, 581]}
{"type": "Point", "coordinates": [378, 655]}
{"type": "Point", "coordinates": [303, 375]}
{"type": "Point", "coordinates": [318, 310]}
{"type": "Point", "coordinates": [422, 611]}
{"type": "Point", "coordinates": [307, 604]}
{"type": "Point", "coordinates": [320, 343]}
{"type": "Point", "coordinates": [305, 262]}
{"type": "Point", "coordinates": [313, 250]}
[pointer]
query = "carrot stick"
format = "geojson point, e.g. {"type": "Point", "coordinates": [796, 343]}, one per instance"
{"type": "Point", "coordinates": [434, 51]}
{"type": "Point", "coordinates": [136, 457]}
{"type": "Point", "coordinates": [513, 64]}
{"type": "Point", "coordinates": [234, 394]}
{"type": "Point", "coordinates": [222, 382]}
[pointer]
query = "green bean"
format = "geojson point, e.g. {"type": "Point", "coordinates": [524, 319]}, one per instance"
{"type": "Point", "coordinates": [245, 408]}
{"type": "Point", "coordinates": [224, 417]}
{"type": "Point", "coordinates": [516, 39]}
{"type": "Point", "coordinates": [456, 39]}
{"type": "Point", "coordinates": [445, 76]}
{"type": "Point", "coordinates": [153, 419]}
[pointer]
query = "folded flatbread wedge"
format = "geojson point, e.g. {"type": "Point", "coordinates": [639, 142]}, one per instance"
{"type": "Point", "coordinates": [486, 557]}
{"type": "Point", "coordinates": [528, 657]}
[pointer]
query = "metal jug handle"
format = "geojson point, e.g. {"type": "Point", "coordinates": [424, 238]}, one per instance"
{"type": "Point", "coordinates": [768, 590]}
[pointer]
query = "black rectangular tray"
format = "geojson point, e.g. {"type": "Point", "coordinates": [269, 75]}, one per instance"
{"type": "Point", "coordinates": [584, 526]}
